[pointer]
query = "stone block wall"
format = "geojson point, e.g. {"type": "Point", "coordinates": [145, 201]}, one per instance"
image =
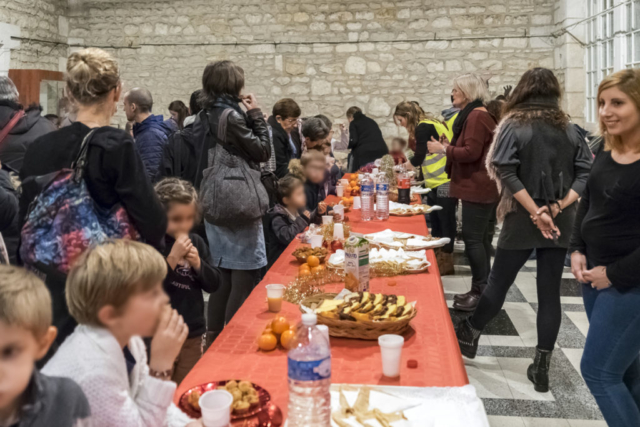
{"type": "Point", "coordinates": [40, 20]}
{"type": "Point", "coordinates": [327, 54]}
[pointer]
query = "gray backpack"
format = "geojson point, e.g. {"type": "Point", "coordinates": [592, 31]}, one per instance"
{"type": "Point", "coordinates": [231, 191]}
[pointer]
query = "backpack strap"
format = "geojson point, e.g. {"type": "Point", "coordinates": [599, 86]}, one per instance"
{"type": "Point", "coordinates": [222, 125]}
{"type": "Point", "coordinates": [9, 126]}
{"type": "Point", "coordinates": [81, 160]}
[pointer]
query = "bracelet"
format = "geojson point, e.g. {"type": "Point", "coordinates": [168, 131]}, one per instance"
{"type": "Point", "coordinates": [161, 375]}
{"type": "Point", "coordinates": [559, 206]}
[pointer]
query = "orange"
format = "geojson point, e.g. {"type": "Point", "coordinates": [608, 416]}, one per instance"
{"type": "Point", "coordinates": [354, 183]}
{"type": "Point", "coordinates": [317, 269]}
{"type": "Point", "coordinates": [286, 337]}
{"type": "Point", "coordinates": [267, 342]}
{"type": "Point", "coordinates": [313, 261]}
{"type": "Point", "coordinates": [303, 273]}
{"type": "Point", "coordinates": [279, 325]}
{"type": "Point", "coordinates": [304, 266]}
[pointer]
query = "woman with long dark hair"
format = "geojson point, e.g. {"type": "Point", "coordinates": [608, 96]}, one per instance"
{"type": "Point", "coordinates": [472, 136]}
{"type": "Point", "coordinates": [178, 112]}
{"type": "Point", "coordinates": [239, 251]}
{"type": "Point", "coordinates": [606, 254]}
{"type": "Point", "coordinates": [541, 165]}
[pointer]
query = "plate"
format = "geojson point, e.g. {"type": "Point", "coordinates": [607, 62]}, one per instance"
{"type": "Point", "coordinates": [263, 395]}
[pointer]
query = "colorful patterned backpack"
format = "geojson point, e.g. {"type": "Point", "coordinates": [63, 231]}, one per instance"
{"type": "Point", "coordinates": [63, 220]}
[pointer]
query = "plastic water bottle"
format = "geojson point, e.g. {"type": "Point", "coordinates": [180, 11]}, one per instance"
{"type": "Point", "coordinates": [382, 198]}
{"type": "Point", "coordinates": [309, 376]}
{"type": "Point", "coordinates": [367, 198]}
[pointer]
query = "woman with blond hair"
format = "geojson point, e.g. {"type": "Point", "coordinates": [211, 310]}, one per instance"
{"type": "Point", "coordinates": [605, 255]}
{"type": "Point", "coordinates": [114, 173]}
{"type": "Point", "coordinates": [422, 127]}
{"type": "Point", "coordinates": [470, 182]}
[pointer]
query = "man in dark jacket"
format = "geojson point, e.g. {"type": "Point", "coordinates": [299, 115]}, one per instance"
{"type": "Point", "coordinates": [284, 123]}
{"type": "Point", "coordinates": [29, 127]}
{"type": "Point", "coordinates": [8, 218]}
{"type": "Point", "coordinates": [365, 139]}
{"type": "Point", "coordinates": [149, 131]}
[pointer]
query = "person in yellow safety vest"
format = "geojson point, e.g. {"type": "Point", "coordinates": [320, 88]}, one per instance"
{"type": "Point", "coordinates": [423, 126]}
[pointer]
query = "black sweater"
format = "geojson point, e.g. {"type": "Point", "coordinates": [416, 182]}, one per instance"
{"type": "Point", "coordinates": [114, 174]}
{"type": "Point", "coordinates": [365, 141]}
{"type": "Point", "coordinates": [184, 285]}
{"type": "Point", "coordinates": [607, 226]}
{"type": "Point", "coordinates": [424, 132]}
{"type": "Point", "coordinates": [281, 230]}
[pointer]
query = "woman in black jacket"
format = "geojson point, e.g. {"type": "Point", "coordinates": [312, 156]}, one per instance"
{"type": "Point", "coordinates": [238, 251]}
{"type": "Point", "coordinates": [114, 172]}
{"type": "Point", "coordinates": [542, 165]}
{"type": "Point", "coordinates": [365, 140]}
{"type": "Point", "coordinates": [283, 121]}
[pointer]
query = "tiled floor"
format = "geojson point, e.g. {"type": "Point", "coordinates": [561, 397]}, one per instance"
{"type": "Point", "coordinates": [508, 347]}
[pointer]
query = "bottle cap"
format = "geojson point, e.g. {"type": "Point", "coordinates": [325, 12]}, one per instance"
{"type": "Point", "coordinates": [412, 364]}
{"type": "Point", "coordinates": [309, 319]}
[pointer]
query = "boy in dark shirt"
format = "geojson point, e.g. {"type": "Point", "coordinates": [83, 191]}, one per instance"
{"type": "Point", "coordinates": [190, 271]}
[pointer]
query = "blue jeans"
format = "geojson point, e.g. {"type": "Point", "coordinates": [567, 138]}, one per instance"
{"type": "Point", "coordinates": [610, 363]}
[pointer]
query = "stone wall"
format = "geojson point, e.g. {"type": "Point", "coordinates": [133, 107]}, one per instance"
{"type": "Point", "coordinates": [43, 20]}
{"type": "Point", "coordinates": [327, 55]}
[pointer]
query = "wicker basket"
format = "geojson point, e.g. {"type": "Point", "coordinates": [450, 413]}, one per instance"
{"type": "Point", "coordinates": [362, 330]}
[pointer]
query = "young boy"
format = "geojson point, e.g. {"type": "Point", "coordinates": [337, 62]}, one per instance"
{"type": "Point", "coordinates": [27, 397]}
{"type": "Point", "coordinates": [398, 145]}
{"type": "Point", "coordinates": [114, 292]}
{"type": "Point", "coordinates": [189, 270]}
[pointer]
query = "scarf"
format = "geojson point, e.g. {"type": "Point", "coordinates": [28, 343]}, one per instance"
{"type": "Point", "coordinates": [508, 203]}
{"type": "Point", "coordinates": [229, 101]}
{"type": "Point", "coordinates": [458, 124]}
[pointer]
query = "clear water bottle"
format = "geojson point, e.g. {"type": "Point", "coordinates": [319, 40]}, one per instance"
{"type": "Point", "coordinates": [367, 198]}
{"type": "Point", "coordinates": [382, 198]}
{"type": "Point", "coordinates": [309, 376]}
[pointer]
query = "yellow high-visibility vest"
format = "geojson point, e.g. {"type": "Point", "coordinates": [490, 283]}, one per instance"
{"type": "Point", "coordinates": [433, 166]}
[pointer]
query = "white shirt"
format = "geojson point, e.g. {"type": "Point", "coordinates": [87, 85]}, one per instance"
{"type": "Point", "coordinates": [92, 357]}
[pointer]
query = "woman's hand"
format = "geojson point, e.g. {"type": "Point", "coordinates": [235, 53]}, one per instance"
{"type": "Point", "coordinates": [544, 222]}
{"type": "Point", "coordinates": [579, 266]}
{"type": "Point", "coordinates": [167, 341]}
{"type": "Point", "coordinates": [322, 208]}
{"type": "Point", "coordinates": [250, 101]}
{"type": "Point", "coordinates": [555, 210]}
{"type": "Point", "coordinates": [597, 276]}
{"type": "Point", "coordinates": [434, 146]}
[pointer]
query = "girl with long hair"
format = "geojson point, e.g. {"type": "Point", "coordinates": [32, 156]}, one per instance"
{"type": "Point", "coordinates": [605, 255]}
{"type": "Point", "coordinates": [541, 166]}
{"type": "Point", "coordinates": [179, 111]}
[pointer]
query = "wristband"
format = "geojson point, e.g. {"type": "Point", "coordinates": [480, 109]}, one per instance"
{"type": "Point", "coordinates": [161, 375]}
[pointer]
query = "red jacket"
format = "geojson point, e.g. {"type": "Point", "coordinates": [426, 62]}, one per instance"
{"type": "Point", "coordinates": [465, 162]}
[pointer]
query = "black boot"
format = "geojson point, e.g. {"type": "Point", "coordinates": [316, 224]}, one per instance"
{"type": "Point", "coordinates": [538, 372]}
{"type": "Point", "coordinates": [468, 338]}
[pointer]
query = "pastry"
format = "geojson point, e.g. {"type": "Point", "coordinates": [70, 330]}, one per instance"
{"type": "Point", "coordinates": [366, 306]}
{"type": "Point", "coordinates": [194, 400]}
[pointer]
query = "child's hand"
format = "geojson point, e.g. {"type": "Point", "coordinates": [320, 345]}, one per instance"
{"type": "Point", "coordinates": [322, 208]}
{"type": "Point", "coordinates": [181, 247]}
{"type": "Point", "coordinates": [193, 258]}
{"type": "Point", "coordinates": [337, 217]}
{"type": "Point", "coordinates": [168, 339]}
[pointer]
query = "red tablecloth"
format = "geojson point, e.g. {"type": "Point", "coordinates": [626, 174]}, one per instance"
{"type": "Point", "coordinates": [431, 340]}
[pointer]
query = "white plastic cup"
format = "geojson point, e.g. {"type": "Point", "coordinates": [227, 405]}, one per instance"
{"type": "Point", "coordinates": [275, 291]}
{"type": "Point", "coordinates": [216, 408]}
{"type": "Point", "coordinates": [339, 209]}
{"type": "Point", "coordinates": [316, 241]}
{"type": "Point", "coordinates": [357, 202]}
{"type": "Point", "coordinates": [375, 171]}
{"type": "Point", "coordinates": [327, 219]}
{"type": "Point", "coordinates": [345, 182]}
{"type": "Point", "coordinates": [325, 331]}
{"type": "Point", "coordinates": [391, 349]}
{"type": "Point", "coordinates": [340, 190]}
{"type": "Point", "coordinates": [360, 176]}
{"type": "Point", "coordinates": [338, 231]}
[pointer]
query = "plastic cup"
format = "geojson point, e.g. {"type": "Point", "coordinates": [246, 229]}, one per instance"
{"type": "Point", "coordinates": [274, 297]}
{"type": "Point", "coordinates": [357, 202]}
{"type": "Point", "coordinates": [338, 231]}
{"type": "Point", "coordinates": [325, 331]}
{"type": "Point", "coordinates": [391, 349]}
{"type": "Point", "coordinates": [339, 209]}
{"type": "Point", "coordinates": [216, 408]}
{"type": "Point", "coordinates": [345, 182]}
{"type": "Point", "coordinates": [375, 171]}
{"type": "Point", "coordinates": [327, 219]}
{"type": "Point", "coordinates": [340, 191]}
{"type": "Point", "coordinates": [316, 241]}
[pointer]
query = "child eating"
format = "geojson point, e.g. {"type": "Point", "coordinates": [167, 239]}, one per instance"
{"type": "Point", "coordinates": [27, 397]}
{"type": "Point", "coordinates": [190, 271]}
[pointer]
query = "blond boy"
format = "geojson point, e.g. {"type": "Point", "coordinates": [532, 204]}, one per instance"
{"type": "Point", "coordinates": [27, 397]}
{"type": "Point", "coordinates": [114, 291]}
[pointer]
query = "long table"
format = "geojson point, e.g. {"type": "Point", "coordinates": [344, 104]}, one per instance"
{"type": "Point", "coordinates": [431, 339]}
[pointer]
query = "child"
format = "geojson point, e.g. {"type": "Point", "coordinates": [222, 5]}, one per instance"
{"type": "Point", "coordinates": [311, 170]}
{"type": "Point", "coordinates": [114, 292]}
{"type": "Point", "coordinates": [398, 145]}
{"type": "Point", "coordinates": [190, 271]}
{"type": "Point", "coordinates": [27, 397]}
{"type": "Point", "coordinates": [288, 218]}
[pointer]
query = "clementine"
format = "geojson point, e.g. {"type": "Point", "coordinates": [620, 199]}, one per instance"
{"type": "Point", "coordinates": [286, 337]}
{"type": "Point", "coordinates": [279, 325]}
{"type": "Point", "coordinates": [317, 269]}
{"type": "Point", "coordinates": [267, 342]}
{"type": "Point", "coordinates": [313, 261]}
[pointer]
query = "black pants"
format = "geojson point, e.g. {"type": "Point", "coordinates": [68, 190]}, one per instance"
{"type": "Point", "coordinates": [443, 222]}
{"type": "Point", "coordinates": [477, 220]}
{"type": "Point", "coordinates": [235, 287]}
{"type": "Point", "coordinates": [508, 262]}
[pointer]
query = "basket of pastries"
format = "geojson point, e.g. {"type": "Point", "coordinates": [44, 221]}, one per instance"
{"type": "Point", "coordinates": [302, 253]}
{"type": "Point", "coordinates": [362, 315]}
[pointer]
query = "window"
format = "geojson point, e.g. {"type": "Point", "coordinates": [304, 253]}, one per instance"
{"type": "Point", "coordinates": [613, 43]}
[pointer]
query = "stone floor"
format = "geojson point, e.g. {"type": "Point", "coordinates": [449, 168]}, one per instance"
{"type": "Point", "coordinates": [508, 347]}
